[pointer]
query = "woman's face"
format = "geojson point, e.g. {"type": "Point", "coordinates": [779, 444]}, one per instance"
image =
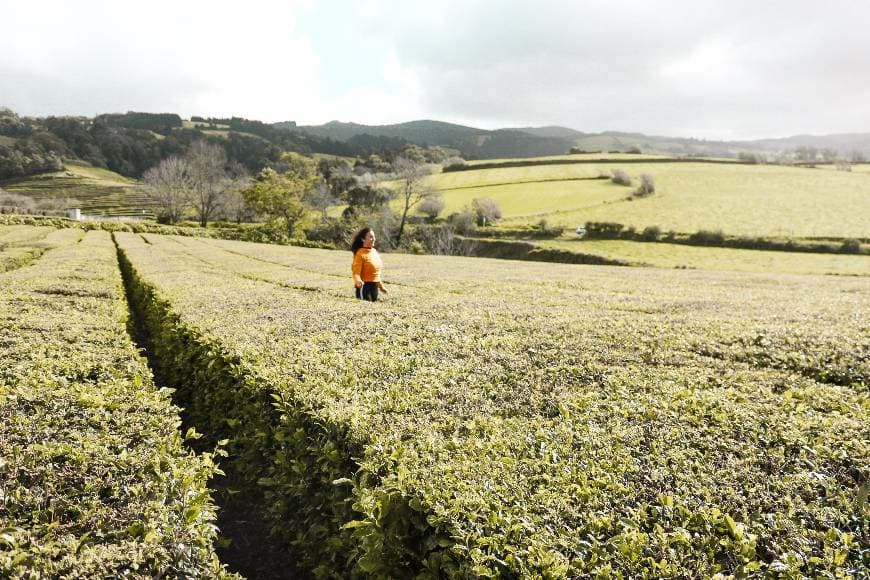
{"type": "Point", "coordinates": [369, 240]}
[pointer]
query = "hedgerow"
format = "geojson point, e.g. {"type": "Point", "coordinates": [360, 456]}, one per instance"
{"type": "Point", "coordinates": [541, 421]}
{"type": "Point", "coordinates": [95, 480]}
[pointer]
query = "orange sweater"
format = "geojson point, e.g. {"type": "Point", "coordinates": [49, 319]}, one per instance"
{"type": "Point", "coordinates": [366, 266]}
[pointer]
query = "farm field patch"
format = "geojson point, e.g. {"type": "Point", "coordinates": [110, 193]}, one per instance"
{"type": "Point", "coordinates": [755, 200]}
{"type": "Point", "coordinates": [505, 418]}
{"type": "Point", "coordinates": [574, 157]}
{"type": "Point", "coordinates": [526, 201]}
{"type": "Point", "coordinates": [662, 255]}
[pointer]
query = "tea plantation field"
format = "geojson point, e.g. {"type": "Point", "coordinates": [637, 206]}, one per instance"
{"type": "Point", "coordinates": [486, 419]}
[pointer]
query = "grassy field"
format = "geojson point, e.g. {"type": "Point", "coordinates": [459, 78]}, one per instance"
{"type": "Point", "coordinates": [755, 200]}
{"type": "Point", "coordinates": [573, 157]}
{"type": "Point", "coordinates": [100, 191]}
{"type": "Point", "coordinates": [202, 125]}
{"type": "Point", "coordinates": [662, 255]}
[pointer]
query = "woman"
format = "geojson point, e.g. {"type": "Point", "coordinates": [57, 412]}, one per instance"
{"type": "Point", "coordinates": [366, 266]}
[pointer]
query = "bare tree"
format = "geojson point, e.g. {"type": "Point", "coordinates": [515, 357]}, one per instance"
{"type": "Point", "coordinates": [412, 188]}
{"type": "Point", "coordinates": [15, 200]}
{"type": "Point", "coordinates": [321, 198]}
{"type": "Point", "coordinates": [211, 182]}
{"type": "Point", "coordinates": [441, 240]}
{"type": "Point", "coordinates": [169, 186]}
{"type": "Point", "coordinates": [235, 208]}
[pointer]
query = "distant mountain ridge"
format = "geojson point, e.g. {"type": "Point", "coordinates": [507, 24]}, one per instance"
{"type": "Point", "coordinates": [474, 143]}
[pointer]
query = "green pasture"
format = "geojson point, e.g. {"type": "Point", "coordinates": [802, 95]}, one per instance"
{"type": "Point", "coordinates": [525, 201]}
{"type": "Point", "coordinates": [201, 125]}
{"type": "Point", "coordinates": [603, 154]}
{"type": "Point", "coordinates": [663, 255]}
{"type": "Point", "coordinates": [753, 200]}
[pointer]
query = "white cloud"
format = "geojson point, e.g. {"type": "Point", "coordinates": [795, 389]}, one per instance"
{"type": "Point", "coordinates": [704, 69]}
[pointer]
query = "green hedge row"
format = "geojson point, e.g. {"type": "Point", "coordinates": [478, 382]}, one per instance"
{"type": "Point", "coordinates": [247, 232]}
{"type": "Point", "coordinates": [284, 459]}
{"type": "Point", "coordinates": [513, 250]}
{"type": "Point", "coordinates": [95, 480]}
{"type": "Point", "coordinates": [618, 231]}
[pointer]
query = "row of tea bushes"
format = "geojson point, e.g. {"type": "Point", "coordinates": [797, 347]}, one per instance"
{"type": "Point", "coordinates": [95, 480]}
{"type": "Point", "coordinates": [13, 235]}
{"type": "Point", "coordinates": [499, 419]}
{"type": "Point", "coordinates": [22, 245]}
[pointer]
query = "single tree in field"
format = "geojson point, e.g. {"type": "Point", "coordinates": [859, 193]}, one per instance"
{"type": "Point", "coordinates": [212, 183]}
{"type": "Point", "coordinates": [169, 185]}
{"type": "Point", "coordinates": [281, 195]}
{"type": "Point", "coordinates": [412, 188]}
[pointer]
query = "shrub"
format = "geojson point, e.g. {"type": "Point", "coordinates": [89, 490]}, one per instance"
{"type": "Point", "coordinates": [332, 231]}
{"type": "Point", "coordinates": [463, 222]}
{"type": "Point", "coordinates": [453, 163]}
{"type": "Point", "coordinates": [545, 229]}
{"type": "Point", "coordinates": [750, 158]}
{"type": "Point", "coordinates": [850, 246]}
{"type": "Point", "coordinates": [620, 177]}
{"type": "Point", "coordinates": [707, 238]}
{"type": "Point", "coordinates": [431, 206]}
{"type": "Point", "coordinates": [486, 210]}
{"type": "Point", "coordinates": [603, 229]}
{"type": "Point", "coordinates": [651, 234]}
{"type": "Point", "coordinates": [647, 186]}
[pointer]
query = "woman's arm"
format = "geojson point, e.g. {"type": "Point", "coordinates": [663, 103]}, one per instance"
{"type": "Point", "coordinates": [356, 269]}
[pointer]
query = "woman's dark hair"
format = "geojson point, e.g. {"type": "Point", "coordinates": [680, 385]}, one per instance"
{"type": "Point", "coordinates": [358, 239]}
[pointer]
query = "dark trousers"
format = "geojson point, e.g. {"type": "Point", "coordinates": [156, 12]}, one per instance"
{"type": "Point", "coordinates": [369, 291]}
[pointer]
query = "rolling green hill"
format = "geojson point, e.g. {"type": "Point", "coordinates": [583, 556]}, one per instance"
{"type": "Point", "coordinates": [476, 143]}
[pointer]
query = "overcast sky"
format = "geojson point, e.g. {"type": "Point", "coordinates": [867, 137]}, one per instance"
{"type": "Point", "coordinates": [696, 68]}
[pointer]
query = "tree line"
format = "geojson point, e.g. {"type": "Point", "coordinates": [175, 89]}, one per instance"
{"type": "Point", "coordinates": [131, 143]}
{"type": "Point", "coordinates": [298, 197]}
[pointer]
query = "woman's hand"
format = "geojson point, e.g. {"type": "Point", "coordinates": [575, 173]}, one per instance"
{"type": "Point", "coordinates": [357, 284]}
{"type": "Point", "coordinates": [383, 288]}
